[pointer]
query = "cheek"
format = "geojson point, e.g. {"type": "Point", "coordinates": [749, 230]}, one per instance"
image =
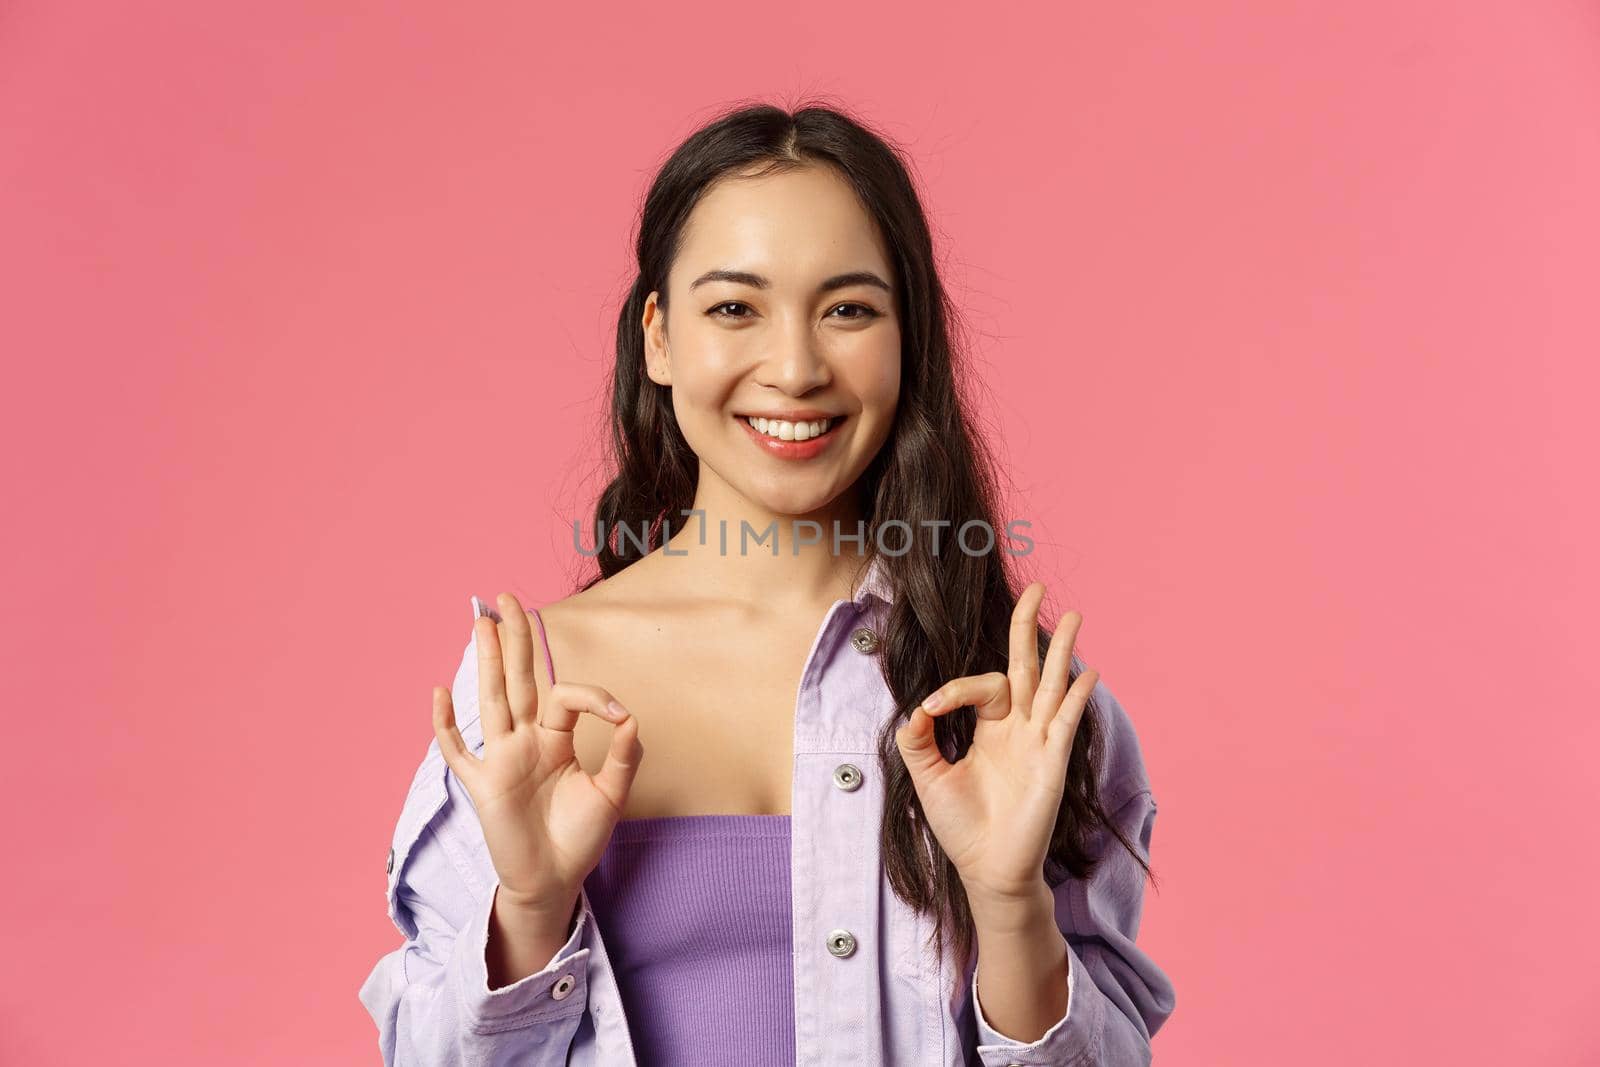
{"type": "Point", "coordinates": [705, 366]}
{"type": "Point", "coordinates": [875, 375]}
{"type": "Point", "coordinates": [699, 403]}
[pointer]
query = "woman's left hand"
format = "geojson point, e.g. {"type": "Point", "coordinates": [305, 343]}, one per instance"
{"type": "Point", "coordinates": [994, 810]}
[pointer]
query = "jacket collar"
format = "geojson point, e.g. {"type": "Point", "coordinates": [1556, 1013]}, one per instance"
{"type": "Point", "coordinates": [875, 584]}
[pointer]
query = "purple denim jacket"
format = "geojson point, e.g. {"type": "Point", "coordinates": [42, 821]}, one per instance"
{"type": "Point", "coordinates": [890, 1002]}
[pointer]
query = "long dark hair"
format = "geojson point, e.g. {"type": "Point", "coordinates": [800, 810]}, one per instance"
{"type": "Point", "coordinates": [952, 610]}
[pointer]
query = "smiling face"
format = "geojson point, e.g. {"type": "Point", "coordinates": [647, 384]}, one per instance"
{"type": "Point", "coordinates": [775, 309]}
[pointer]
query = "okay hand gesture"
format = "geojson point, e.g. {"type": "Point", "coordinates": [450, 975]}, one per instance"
{"type": "Point", "coordinates": [994, 810]}
{"type": "Point", "coordinates": [545, 819]}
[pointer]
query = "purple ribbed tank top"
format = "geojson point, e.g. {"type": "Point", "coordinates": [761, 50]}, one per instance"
{"type": "Point", "coordinates": [695, 912]}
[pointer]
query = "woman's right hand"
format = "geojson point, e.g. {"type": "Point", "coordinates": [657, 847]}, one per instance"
{"type": "Point", "coordinates": [546, 821]}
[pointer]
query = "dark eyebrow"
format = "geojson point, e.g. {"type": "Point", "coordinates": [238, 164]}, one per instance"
{"type": "Point", "coordinates": [758, 281]}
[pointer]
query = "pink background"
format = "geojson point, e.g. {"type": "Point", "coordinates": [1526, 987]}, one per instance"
{"type": "Point", "coordinates": [1288, 320]}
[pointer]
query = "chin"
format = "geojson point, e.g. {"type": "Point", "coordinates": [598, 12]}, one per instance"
{"type": "Point", "coordinates": [793, 506]}
{"type": "Point", "coordinates": [789, 500]}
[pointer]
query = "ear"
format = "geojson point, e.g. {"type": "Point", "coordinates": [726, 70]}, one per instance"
{"type": "Point", "coordinates": [654, 324]}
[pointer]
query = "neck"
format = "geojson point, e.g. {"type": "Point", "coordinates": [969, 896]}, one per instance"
{"type": "Point", "coordinates": [726, 550]}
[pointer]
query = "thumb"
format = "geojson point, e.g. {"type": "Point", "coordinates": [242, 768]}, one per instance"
{"type": "Point", "coordinates": [616, 774]}
{"type": "Point", "coordinates": [917, 744]}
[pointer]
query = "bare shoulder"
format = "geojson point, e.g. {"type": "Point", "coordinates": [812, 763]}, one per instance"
{"type": "Point", "coordinates": [598, 623]}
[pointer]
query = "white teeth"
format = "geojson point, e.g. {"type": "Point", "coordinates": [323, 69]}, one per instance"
{"type": "Point", "coordinates": [790, 431]}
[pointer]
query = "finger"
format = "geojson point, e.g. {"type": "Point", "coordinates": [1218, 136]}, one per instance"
{"type": "Point", "coordinates": [480, 609]}
{"type": "Point", "coordinates": [1063, 725]}
{"type": "Point", "coordinates": [615, 777]}
{"type": "Point", "coordinates": [989, 693]}
{"type": "Point", "coordinates": [918, 746]}
{"type": "Point", "coordinates": [492, 707]}
{"type": "Point", "coordinates": [456, 754]}
{"type": "Point", "coordinates": [1023, 669]}
{"type": "Point", "coordinates": [1057, 666]}
{"type": "Point", "coordinates": [516, 649]}
{"type": "Point", "coordinates": [567, 700]}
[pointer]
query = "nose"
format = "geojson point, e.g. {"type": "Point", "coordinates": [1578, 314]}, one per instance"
{"type": "Point", "coordinates": [796, 363]}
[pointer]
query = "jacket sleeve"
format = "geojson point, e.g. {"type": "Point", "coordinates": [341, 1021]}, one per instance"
{"type": "Point", "coordinates": [430, 996]}
{"type": "Point", "coordinates": [1118, 996]}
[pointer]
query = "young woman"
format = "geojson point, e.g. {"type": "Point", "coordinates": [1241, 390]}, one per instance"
{"type": "Point", "coordinates": [875, 784]}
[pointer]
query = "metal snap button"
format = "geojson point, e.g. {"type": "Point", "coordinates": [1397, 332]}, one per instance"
{"type": "Point", "coordinates": [563, 987]}
{"type": "Point", "coordinates": [841, 943]}
{"type": "Point", "coordinates": [847, 776]}
{"type": "Point", "coordinates": [865, 641]}
{"type": "Point", "coordinates": [388, 868]}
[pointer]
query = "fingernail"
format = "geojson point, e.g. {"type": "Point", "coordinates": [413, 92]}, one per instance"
{"type": "Point", "coordinates": [616, 712]}
{"type": "Point", "coordinates": [932, 702]}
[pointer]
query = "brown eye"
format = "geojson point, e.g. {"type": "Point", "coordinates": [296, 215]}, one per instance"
{"type": "Point", "coordinates": [865, 311]}
{"type": "Point", "coordinates": [717, 310]}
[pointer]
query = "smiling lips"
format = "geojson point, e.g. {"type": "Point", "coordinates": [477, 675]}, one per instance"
{"type": "Point", "coordinates": [785, 430]}
{"type": "Point", "coordinates": [791, 440]}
